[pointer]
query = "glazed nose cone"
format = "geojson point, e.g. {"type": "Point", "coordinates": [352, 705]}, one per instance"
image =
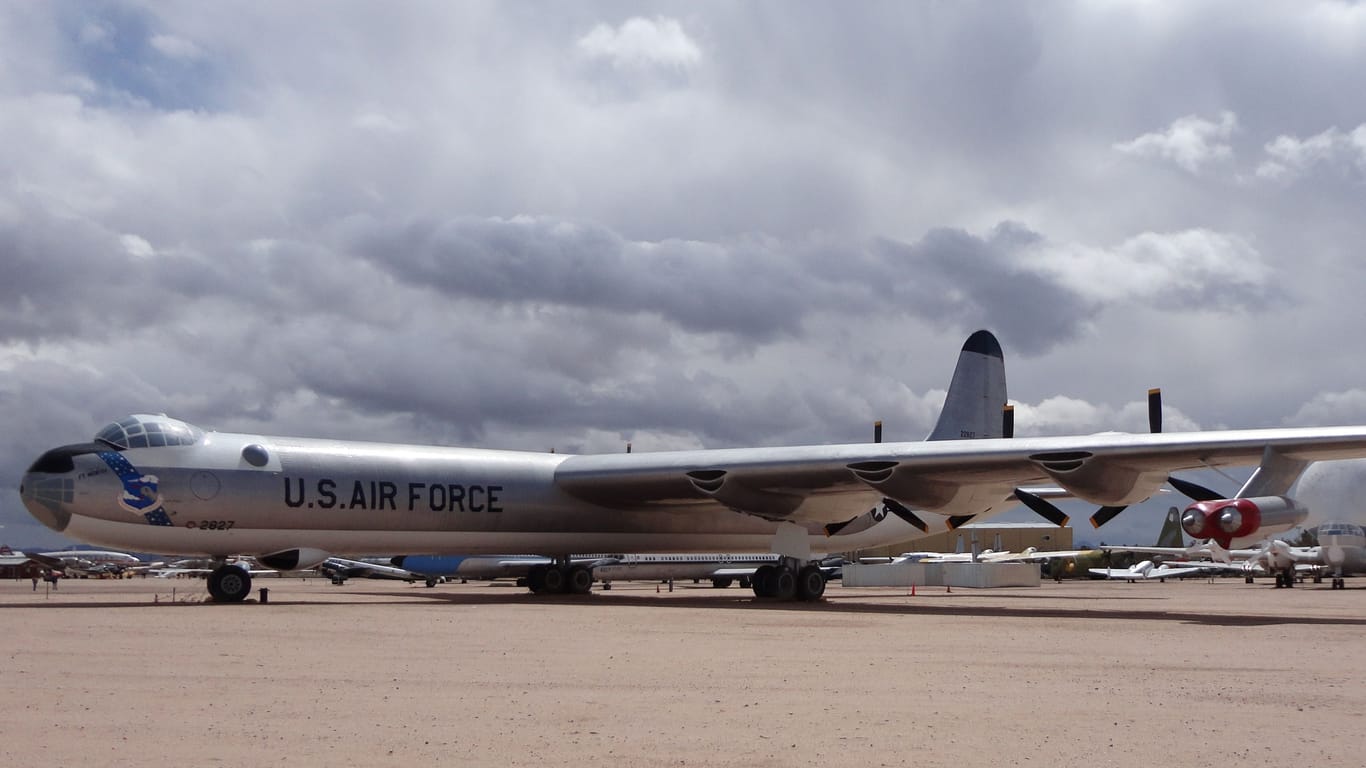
{"type": "Point", "coordinates": [48, 488]}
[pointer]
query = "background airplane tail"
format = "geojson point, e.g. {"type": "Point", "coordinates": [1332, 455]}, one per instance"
{"type": "Point", "coordinates": [1171, 535]}
{"type": "Point", "coordinates": [977, 394]}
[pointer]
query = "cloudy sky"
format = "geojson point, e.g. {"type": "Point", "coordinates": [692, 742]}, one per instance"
{"type": "Point", "coordinates": [570, 226]}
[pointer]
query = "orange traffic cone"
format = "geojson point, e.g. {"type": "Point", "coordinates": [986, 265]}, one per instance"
{"type": "Point", "coordinates": [912, 590]}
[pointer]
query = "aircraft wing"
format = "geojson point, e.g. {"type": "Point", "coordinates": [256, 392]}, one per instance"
{"type": "Point", "coordinates": [1209, 549]}
{"type": "Point", "coordinates": [1166, 571]}
{"type": "Point", "coordinates": [47, 560]}
{"type": "Point", "coordinates": [1116, 573]}
{"type": "Point", "coordinates": [952, 477]}
{"type": "Point", "coordinates": [173, 570]}
{"type": "Point", "coordinates": [1240, 566]}
{"type": "Point", "coordinates": [1037, 555]}
{"type": "Point", "coordinates": [734, 572]}
{"type": "Point", "coordinates": [361, 569]}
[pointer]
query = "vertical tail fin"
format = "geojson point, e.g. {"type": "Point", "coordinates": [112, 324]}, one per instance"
{"type": "Point", "coordinates": [977, 394]}
{"type": "Point", "coordinates": [1171, 535]}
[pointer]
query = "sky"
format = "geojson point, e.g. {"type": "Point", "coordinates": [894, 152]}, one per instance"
{"type": "Point", "coordinates": [572, 226]}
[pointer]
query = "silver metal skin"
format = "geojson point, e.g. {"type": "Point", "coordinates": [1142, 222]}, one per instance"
{"type": "Point", "coordinates": [355, 497]}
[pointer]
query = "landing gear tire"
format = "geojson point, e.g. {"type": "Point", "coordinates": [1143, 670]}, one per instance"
{"type": "Point", "coordinates": [580, 580]}
{"type": "Point", "coordinates": [721, 582]}
{"type": "Point", "coordinates": [1249, 580]}
{"type": "Point", "coordinates": [229, 584]}
{"type": "Point", "coordinates": [554, 580]}
{"type": "Point", "coordinates": [784, 584]}
{"type": "Point", "coordinates": [810, 583]}
{"type": "Point", "coordinates": [431, 583]}
{"type": "Point", "coordinates": [1339, 583]}
{"type": "Point", "coordinates": [535, 580]}
{"type": "Point", "coordinates": [762, 582]}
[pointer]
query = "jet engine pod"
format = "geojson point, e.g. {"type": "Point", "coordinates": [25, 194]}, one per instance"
{"type": "Point", "coordinates": [1227, 519]}
{"type": "Point", "coordinates": [294, 559]}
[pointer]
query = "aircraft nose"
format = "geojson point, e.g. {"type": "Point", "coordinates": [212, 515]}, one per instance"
{"type": "Point", "coordinates": [61, 460]}
{"type": "Point", "coordinates": [48, 488]}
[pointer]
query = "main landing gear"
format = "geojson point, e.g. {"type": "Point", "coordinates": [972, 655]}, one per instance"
{"type": "Point", "coordinates": [229, 584]}
{"type": "Point", "coordinates": [559, 579]}
{"type": "Point", "coordinates": [789, 581]}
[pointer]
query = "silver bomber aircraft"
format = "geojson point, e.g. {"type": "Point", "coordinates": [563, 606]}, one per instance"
{"type": "Point", "coordinates": [151, 483]}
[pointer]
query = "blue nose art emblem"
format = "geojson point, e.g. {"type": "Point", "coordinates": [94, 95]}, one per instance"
{"type": "Point", "coordinates": [140, 495]}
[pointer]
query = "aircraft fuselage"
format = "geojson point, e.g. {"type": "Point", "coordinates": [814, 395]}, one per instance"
{"type": "Point", "coordinates": [232, 493]}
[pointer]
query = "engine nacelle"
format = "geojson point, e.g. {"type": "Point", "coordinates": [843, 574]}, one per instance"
{"type": "Point", "coordinates": [1224, 520]}
{"type": "Point", "coordinates": [294, 559]}
{"type": "Point", "coordinates": [1097, 479]}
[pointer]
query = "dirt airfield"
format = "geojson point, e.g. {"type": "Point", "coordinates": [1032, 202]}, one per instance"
{"type": "Point", "coordinates": [385, 673]}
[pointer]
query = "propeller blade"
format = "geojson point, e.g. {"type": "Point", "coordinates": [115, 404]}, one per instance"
{"type": "Point", "coordinates": [1193, 490]}
{"type": "Point", "coordinates": [1045, 509]}
{"type": "Point", "coordinates": [1105, 515]}
{"type": "Point", "coordinates": [1008, 421]}
{"type": "Point", "coordinates": [877, 431]}
{"type": "Point", "coordinates": [896, 508]}
{"type": "Point", "coordinates": [958, 521]}
{"type": "Point", "coordinates": [833, 528]}
{"type": "Point", "coordinates": [1155, 411]}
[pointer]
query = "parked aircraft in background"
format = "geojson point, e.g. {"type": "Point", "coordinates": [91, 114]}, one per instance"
{"type": "Point", "coordinates": [339, 569]}
{"type": "Point", "coordinates": [1341, 551]}
{"type": "Point", "coordinates": [479, 567]}
{"type": "Point", "coordinates": [87, 562]}
{"type": "Point", "coordinates": [721, 569]}
{"type": "Point", "coordinates": [1147, 571]}
{"type": "Point", "coordinates": [434, 569]}
{"type": "Point", "coordinates": [200, 567]}
{"type": "Point", "coordinates": [156, 484]}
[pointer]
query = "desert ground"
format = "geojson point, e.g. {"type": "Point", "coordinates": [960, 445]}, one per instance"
{"type": "Point", "coordinates": [146, 672]}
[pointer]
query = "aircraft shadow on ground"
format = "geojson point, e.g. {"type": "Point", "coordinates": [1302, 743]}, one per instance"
{"type": "Point", "coordinates": [894, 603]}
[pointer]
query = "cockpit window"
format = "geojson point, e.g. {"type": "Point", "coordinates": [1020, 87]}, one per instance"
{"type": "Point", "coordinates": [1341, 529]}
{"type": "Point", "coordinates": [143, 431]}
